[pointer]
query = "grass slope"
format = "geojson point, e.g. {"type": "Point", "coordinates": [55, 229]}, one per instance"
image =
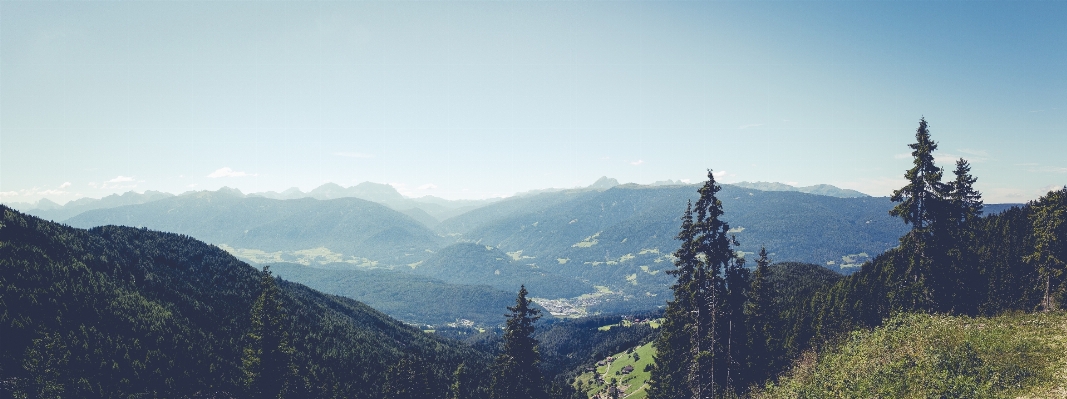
{"type": "Point", "coordinates": [631, 386]}
{"type": "Point", "coordinates": [930, 356]}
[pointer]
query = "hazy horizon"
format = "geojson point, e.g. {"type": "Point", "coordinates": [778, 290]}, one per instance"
{"type": "Point", "coordinates": [406, 195]}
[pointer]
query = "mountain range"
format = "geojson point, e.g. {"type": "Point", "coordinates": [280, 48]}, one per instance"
{"type": "Point", "coordinates": [820, 189]}
{"type": "Point", "coordinates": [601, 248]}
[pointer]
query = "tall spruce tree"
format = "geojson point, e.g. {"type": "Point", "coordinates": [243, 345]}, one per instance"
{"type": "Point", "coordinates": [759, 312]}
{"type": "Point", "coordinates": [737, 280]}
{"type": "Point", "coordinates": [695, 353]}
{"type": "Point", "coordinates": [668, 379]}
{"type": "Point", "coordinates": [963, 281]}
{"type": "Point", "coordinates": [267, 361]}
{"type": "Point", "coordinates": [966, 202]}
{"type": "Point", "coordinates": [710, 368]}
{"type": "Point", "coordinates": [919, 199]}
{"type": "Point", "coordinates": [921, 205]}
{"type": "Point", "coordinates": [516, 373]}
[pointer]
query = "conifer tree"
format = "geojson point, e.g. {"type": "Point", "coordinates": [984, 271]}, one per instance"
{"type": "Point", "coordinates": [694, 353]}
{"type": "Point", "coordinates": [1050, 247]}
{"type": "Point", "coordinates": [919, 199]}
{"type": "Point", "coordinates": [921, 205]}
{"type": "Point", "coordinates": [734, 328]}
{"type": "Point", "coordinates": [516, 374]}
{"type": "Point", "coordinates": [459, 388]}
{"type": "Point", "coordinates": [408, 378]}
{"type": "Point", "coordinates": [966, 202]}
{"type": "Point", "coordinates": [963, 281]}
{"type": "Point", "coordinates": [709, 369]}
{"type": "Point", "coordinates": [267, 361]}
{"type": "Point", "coordinates": [758, 311]}
{"type": "Point", "coordinates": [46, 361]}
{"type": "Point", "coordinates": [669, 378]}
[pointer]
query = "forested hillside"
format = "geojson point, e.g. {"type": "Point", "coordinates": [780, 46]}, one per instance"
{"type": "Point", "coordinates": [123, 312]}
{"type": "Point", "coordinates": [411, 298]}
{"type": "Point", "coordinates": [480, 264]}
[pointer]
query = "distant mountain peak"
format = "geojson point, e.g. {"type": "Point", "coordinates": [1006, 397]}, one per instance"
{"type": "Point", "coordinates": [327, 191]}
{"type": "Point", "coordinates": [818, 189]}
{"type": "Point", "coordinates": [46, 204]}
{"type": "Point", "coordinates": [376, 192]}
{"type": "Point", "coordinates": [230, 191]}
{"type": "Point", "coordinates": [604, 183]}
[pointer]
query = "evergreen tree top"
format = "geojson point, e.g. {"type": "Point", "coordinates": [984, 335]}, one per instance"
{"type": "Point", "coordinates": [918, 199]}
{"type": "Point", "coordinates": [712, 238]}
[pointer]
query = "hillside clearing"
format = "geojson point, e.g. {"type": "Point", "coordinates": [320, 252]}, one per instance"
{"type": "Point", "coordinates": [921, 356]}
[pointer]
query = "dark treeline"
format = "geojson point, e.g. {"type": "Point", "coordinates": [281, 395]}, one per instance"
{"type": "Point", "coordinates": [730, 327]}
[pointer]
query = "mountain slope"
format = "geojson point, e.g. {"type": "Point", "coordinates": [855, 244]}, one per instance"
{"type": "Point", "coordinates": [930, 356]}
{"type": "Point", "coordinates": [819, 189]}
{"type": "Point", "coordinates": [478, 264]}
{"type": "Point", "coordinates": [121, 312]}
{"type": "Point", "coordinates": [349, 229]}
{"type": "Point", "coordinates": [794, 226]}
{"type": "Point", "coordinates": [411, 298]}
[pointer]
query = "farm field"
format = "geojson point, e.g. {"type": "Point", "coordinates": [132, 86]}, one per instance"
{"type": "Point", "coordinates": [631, 384]}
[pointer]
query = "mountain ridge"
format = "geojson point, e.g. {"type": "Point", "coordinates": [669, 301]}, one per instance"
{"type": "Point", "coordinates": [818, 189]}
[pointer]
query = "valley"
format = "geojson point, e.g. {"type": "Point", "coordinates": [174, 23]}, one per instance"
{"type": "Point", "coordinates": [599, 249]}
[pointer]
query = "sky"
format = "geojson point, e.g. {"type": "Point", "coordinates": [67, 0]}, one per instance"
{"type": "Point", "coordinates": [484, 99]}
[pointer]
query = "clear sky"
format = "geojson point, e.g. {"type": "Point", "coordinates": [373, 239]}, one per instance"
{"type": "Point", "coordinates": [481, 99]}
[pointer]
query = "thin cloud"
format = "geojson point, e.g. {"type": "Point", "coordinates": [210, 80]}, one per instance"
{"type": "Point", "coordinates": [972, 156]}
{"type": "Point", "coordinates": [637, 162]}
{"type": "Point", "coordinates": [227, 172]}
{"type": "Point", "coordinates": [977, 153]}
{"type": "Point", "coordinates": [1049, 169]}
{"type": "Point", "coordinates": [120, 179]}
{"type": "Point", "coordinates": [428, 186]}
{"type": "Point", "coordinates": [64, 185]}
{"type": "Point", "coordinates": [903, 155]}
{"type": "Point", "coordinates": [358, 155]}
{"type": "Point", "coordinates": [750, 125]}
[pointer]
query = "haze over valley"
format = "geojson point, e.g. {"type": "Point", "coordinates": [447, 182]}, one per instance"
{"type": "Point", "coordinates": [601, 248]}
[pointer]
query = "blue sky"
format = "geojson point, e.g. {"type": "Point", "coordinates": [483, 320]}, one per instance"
{"type": "Point", "coordinates": [483, 99]}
